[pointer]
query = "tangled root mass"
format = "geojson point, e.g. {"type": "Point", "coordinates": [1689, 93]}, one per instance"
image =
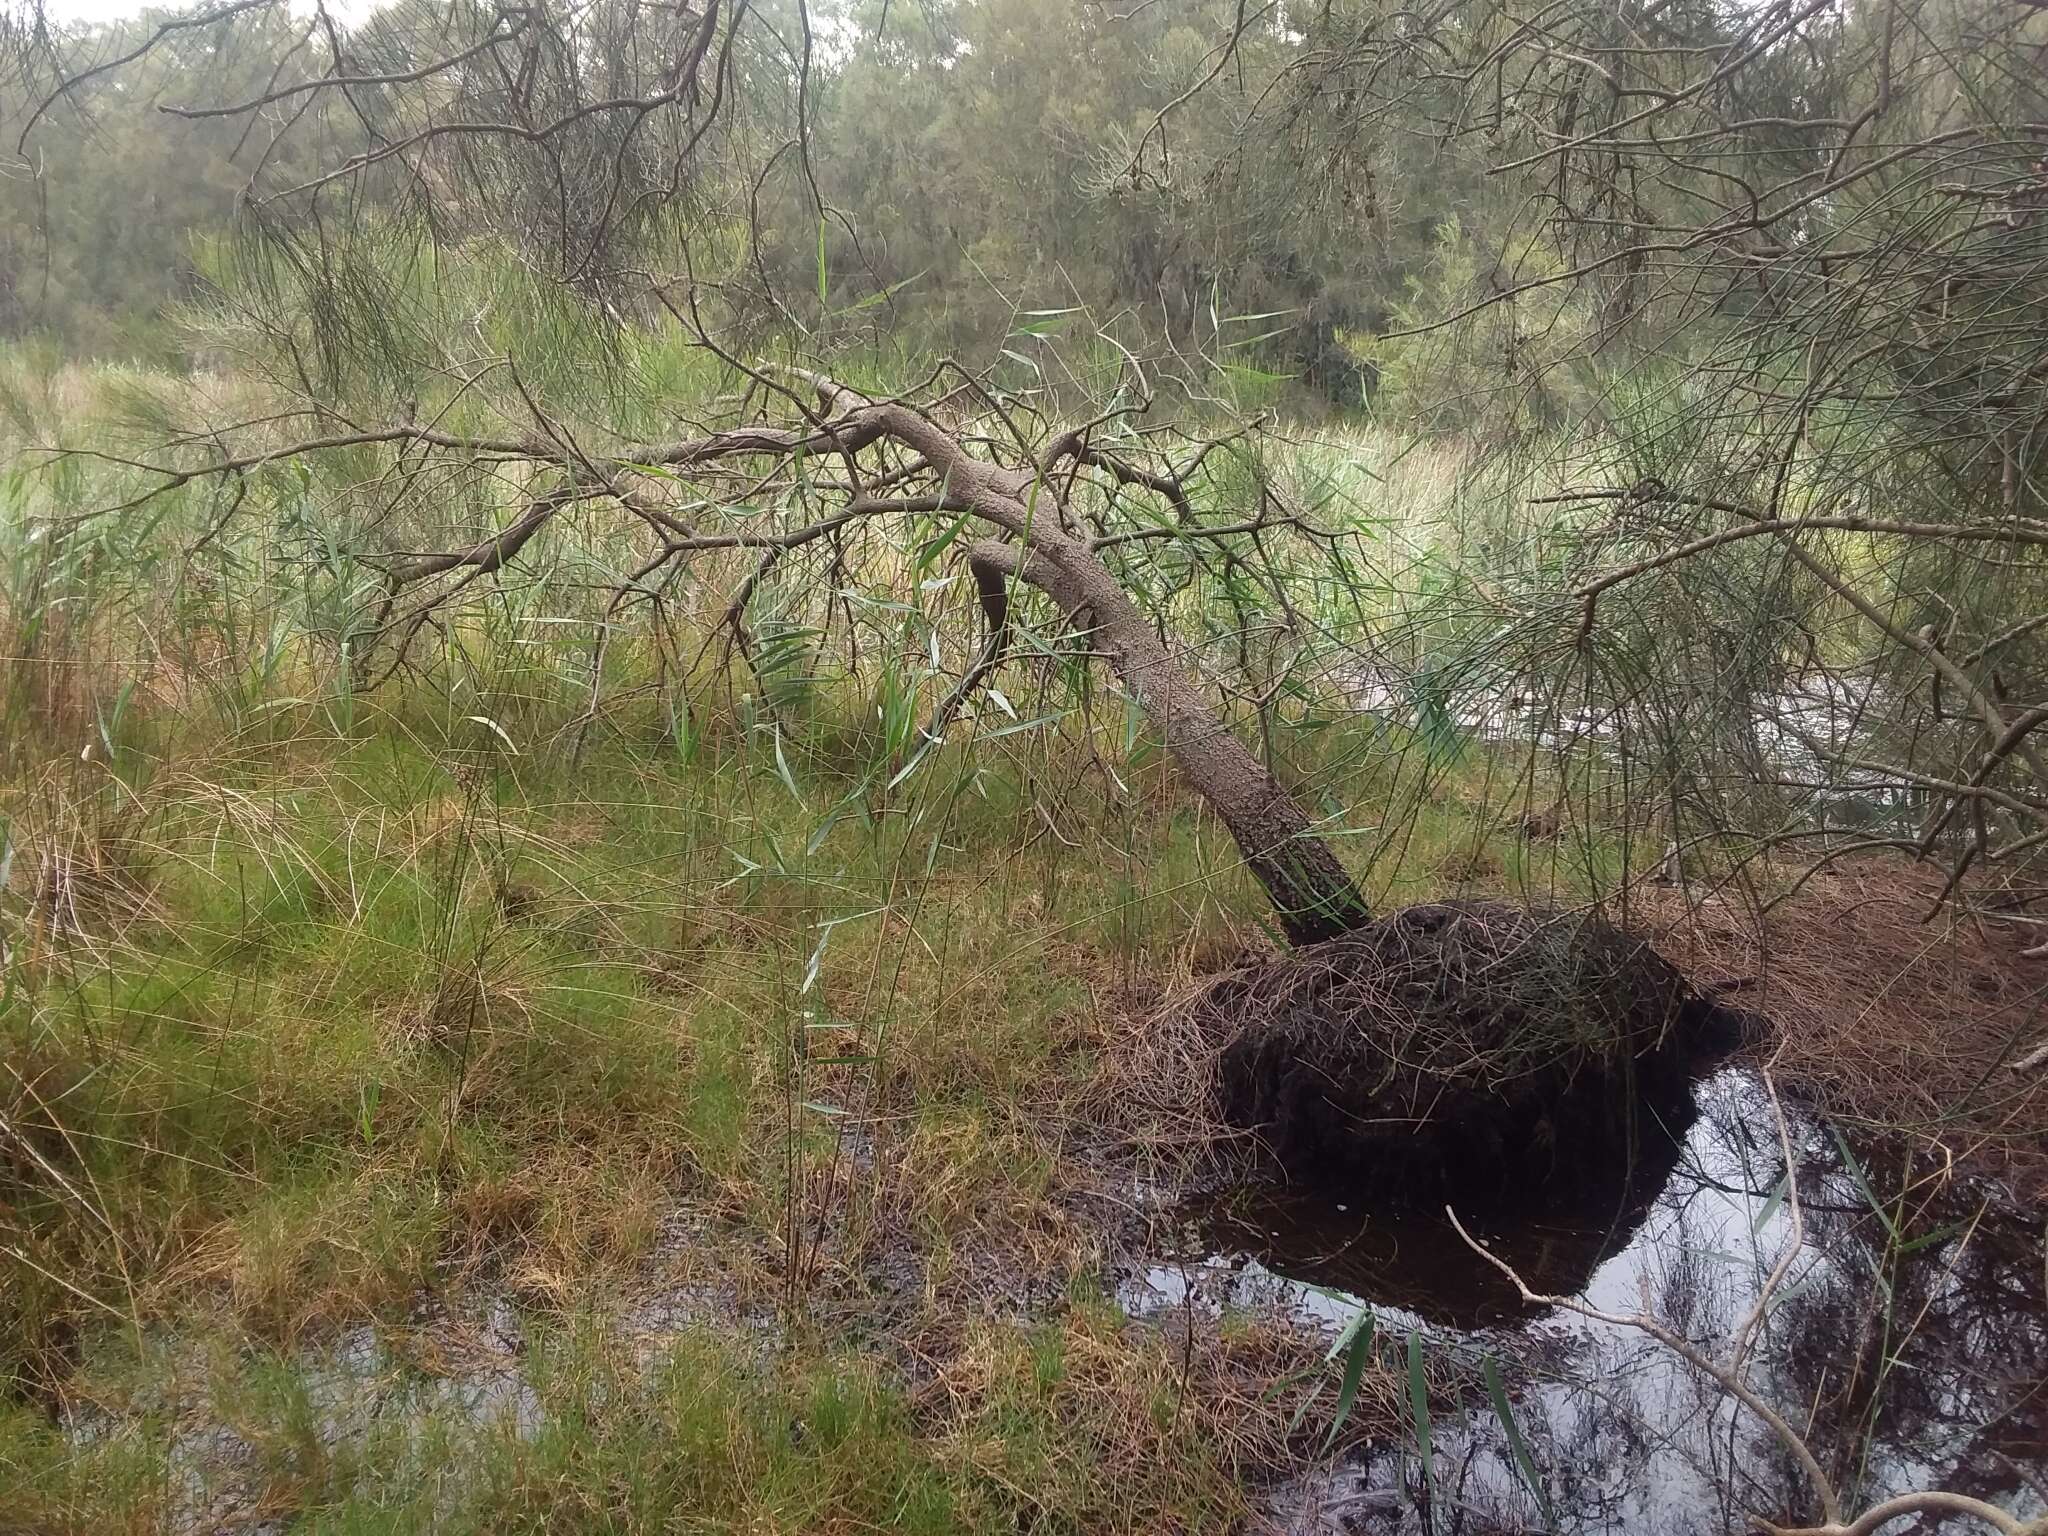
{"type": "Point", "coordinates": [1463, 1052]}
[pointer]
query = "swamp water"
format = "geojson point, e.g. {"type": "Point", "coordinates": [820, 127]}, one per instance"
{"type": "Point", "coordinates": [1909, 1331]}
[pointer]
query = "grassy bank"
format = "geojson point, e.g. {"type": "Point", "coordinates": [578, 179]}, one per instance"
{"type": "Point", "coordinates": [309, 1028]}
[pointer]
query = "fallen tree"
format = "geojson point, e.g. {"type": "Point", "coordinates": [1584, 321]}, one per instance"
{"type": "Point", "coordinates": [897, 461]}
{"type": "Point", "coordinates": [455, 466]}
{"type": "Point", "coordinates": [1426, 1050]}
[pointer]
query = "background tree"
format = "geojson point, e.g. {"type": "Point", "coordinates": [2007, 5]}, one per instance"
{"type": "Point", "coordinates": [1756, 290]}
{"type": "Point", "coordinates": [570, 151]}
{"type": "Point", "coordinates": [1785, 265]}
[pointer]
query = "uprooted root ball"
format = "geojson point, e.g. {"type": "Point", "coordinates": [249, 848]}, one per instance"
{"type": "Point", "coordinates": [1458, 1052]}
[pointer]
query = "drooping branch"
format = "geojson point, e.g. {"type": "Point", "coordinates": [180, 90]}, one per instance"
{"type": "Point", "coordinates": [506, 28]}
{"type": "Point", "coordinates": [489, 555]}
{"type": "Point", "coordinates": [1022, 529]}
{"type": "Point", "coordinates": [70, 83]}
{"type": "Point", "coordinates": [992, 590]}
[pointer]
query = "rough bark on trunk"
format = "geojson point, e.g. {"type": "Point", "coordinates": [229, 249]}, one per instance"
{"type": "Point", "coordinates": [1313, 894]}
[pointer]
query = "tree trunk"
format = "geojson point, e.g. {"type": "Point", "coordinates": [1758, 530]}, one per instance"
{"type": "Point", "coordinates": [1313, 894]}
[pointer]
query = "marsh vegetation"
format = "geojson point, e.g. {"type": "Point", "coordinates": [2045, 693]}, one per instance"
{"type": "Point", "coordinates": [796, 766]}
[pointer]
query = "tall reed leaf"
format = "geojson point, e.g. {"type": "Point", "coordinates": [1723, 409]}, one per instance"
{"type": "Point", "coordinates": [1359, 1333]}
{"type": "Point", "coordinates": [1418, 1406]}
{"type": "Point", "coordinates": [1524, 1462]}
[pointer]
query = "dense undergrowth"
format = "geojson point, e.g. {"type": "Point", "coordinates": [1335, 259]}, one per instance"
{"type": "Point", "coordinates": [301, 1027]}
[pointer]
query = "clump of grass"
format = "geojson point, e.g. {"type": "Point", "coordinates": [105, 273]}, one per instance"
{"type": "Point", "coordinates": [1077, 1423]}
{"type": "Point", "coordinates": [1104, 1429]}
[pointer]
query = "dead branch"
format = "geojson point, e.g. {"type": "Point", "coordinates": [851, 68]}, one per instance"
{"type": "Point", "coordinates": [993, 590]}
{"type": "Point", "coordinates": [1730, 1376]}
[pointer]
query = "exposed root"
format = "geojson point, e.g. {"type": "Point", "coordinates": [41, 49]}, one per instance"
{"type": "Point", "coordinates": [1463, 1050]}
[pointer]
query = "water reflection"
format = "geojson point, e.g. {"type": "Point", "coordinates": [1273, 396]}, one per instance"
{"type": "Point", "coordinates": [1422, 1266]}
{"type": "Point", "coordinates": [1789, 736]}
{"type": "Point", "coordinates": [1909, 1334]}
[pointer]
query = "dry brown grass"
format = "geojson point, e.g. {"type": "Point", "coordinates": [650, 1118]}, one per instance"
{"type": "Point", "coordinates": [1889, 1008]}
{"type": "Point", "coordinates": [1120, 1419]}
